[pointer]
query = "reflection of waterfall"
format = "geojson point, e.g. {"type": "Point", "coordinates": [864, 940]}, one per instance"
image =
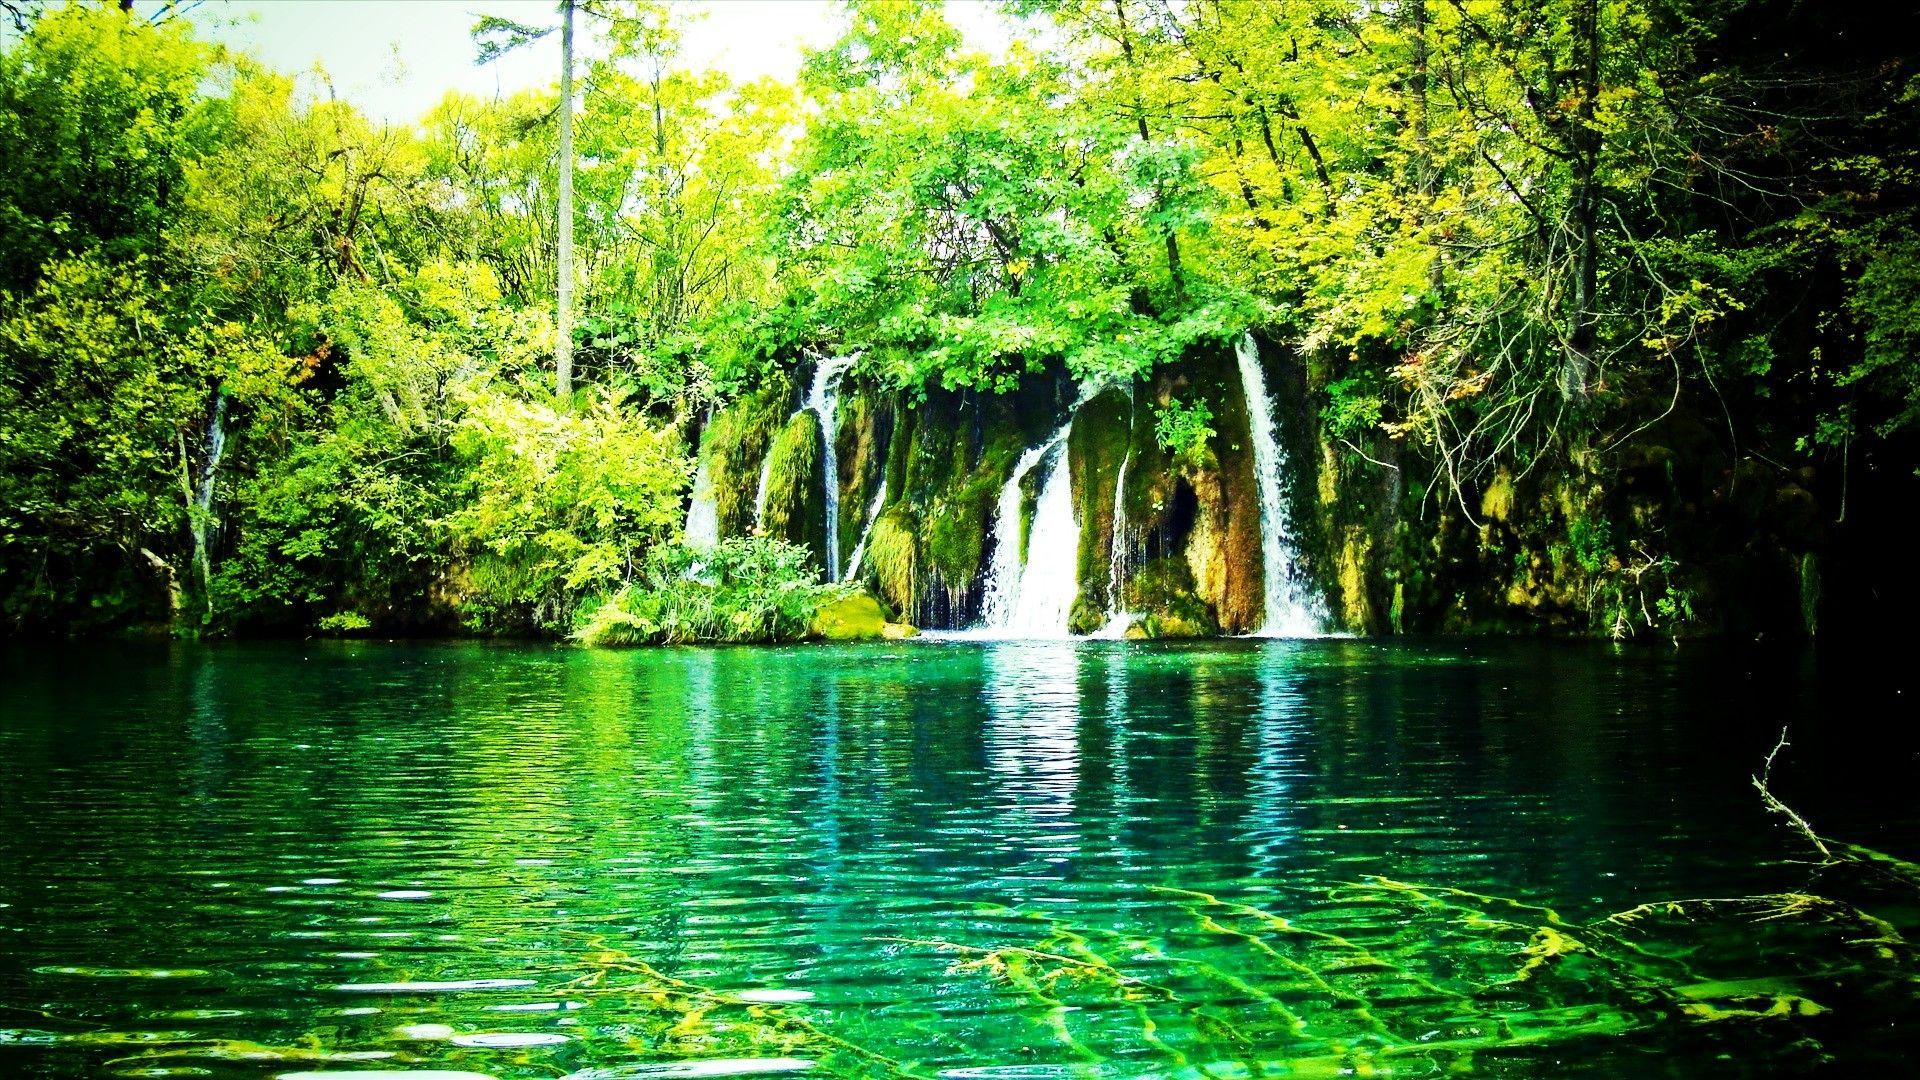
{"type": "Point", "coordinates": [873, 515]}
{"type": "Point", "coordinates": [201, 517]}
{"type": "Point", "coordinates": [1032, 743]}
{"type": "Point", "coordinates": [1271, 828]}
{"type": "Point", "coordinates": [1033, 597]}
{"type": "Point", "coordinates": [1293, 609]}
{"type": "Point", "coordinates": [823, 400]}
{"type": "Point", "coordinates": [703, 513]}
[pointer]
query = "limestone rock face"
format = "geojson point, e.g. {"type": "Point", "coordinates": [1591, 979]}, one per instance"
{"type": "Point", "coordinates": [796, 500]}
{"type": "Point", "coordinates": [921, 477]}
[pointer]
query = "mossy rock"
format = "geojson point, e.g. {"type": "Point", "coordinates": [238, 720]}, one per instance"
{"type": "Point", "coordinates": [893, 557]}
{"type": "Point", "coordinates": [1161, 594]}
{"type": "Point", "coordinates": [735, 445]}
{"type": "Point", "coordinates": [796, 508]}
{"type": "Point", "coordinates": [947, 459]}
{"type": "Point", "coordinates": [1097, 448]}
{"type": "Point", "coordinates": [856, 617]}
{"type": "Point", "coordinates": [1223, 550]}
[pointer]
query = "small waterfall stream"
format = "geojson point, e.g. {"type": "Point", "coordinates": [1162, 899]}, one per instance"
{"type": "Point", "coordinates": [1033, 596]}
{"type": "Point", "coordinates": [1292, 607]}
{"type": "Point", "coordinates": [760, 493]}
{"type": "Point", "coordinates": [201, 519]}
{"type": "Point", "coordinates": [1118, 617]}
{"type": "Point", "coordinates": [873, 515]}
{"type": "Point", "coordinates": [702, 529]}
{"type": "Point", "coordinates": [823, 401]}
{"type": "Point", "coordinates": [703, 513]}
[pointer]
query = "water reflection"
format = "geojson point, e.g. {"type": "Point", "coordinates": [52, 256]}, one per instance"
{"type": "Point", "coordinates": [1033, 745]}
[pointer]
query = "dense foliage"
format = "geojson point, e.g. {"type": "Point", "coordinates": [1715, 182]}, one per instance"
{"type": "Point", "coordinates": [741, 589]}
{"type": "Point", "coordinates": [267, 364]}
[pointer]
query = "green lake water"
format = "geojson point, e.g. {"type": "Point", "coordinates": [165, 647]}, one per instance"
{"type": "Point", "coordinates": [954, 859]}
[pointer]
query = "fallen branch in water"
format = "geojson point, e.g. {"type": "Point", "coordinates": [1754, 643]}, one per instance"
{"type": "Point", "coordinates": [1773, 803]}
{"type": "Point", "coordinates": [1832, 852]}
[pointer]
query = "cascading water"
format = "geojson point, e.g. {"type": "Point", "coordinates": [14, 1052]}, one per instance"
{"type": "Point", "coordinates": [201, 520]}
{"type": "Point", "coordinates": [1049, 582]}
{"type": "Point", "coordinates": [703, 513]}
{"type": "Point", "coordinates": [1033, 597]}
{"type": "Point", "coordinates": [703, 509]}
{"type": "Point", "coordinates": [873, 515]}
{"type": "Point", "coordinates": [1118, 617]}
{"type": "Point", "coordinates": [823, 401]}
{"type": "Point", "coordinates": [760, 493]}
{"type": "Point", "coordinates": [1003, 573]}
{"type": "Point", "coordinates": [1292, 608]}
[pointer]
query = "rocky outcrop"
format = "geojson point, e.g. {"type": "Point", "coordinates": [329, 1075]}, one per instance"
{"type": "Point", "coordinates": [1185, 531]}
{"type": "Point", "coordinates": [1668, 532]}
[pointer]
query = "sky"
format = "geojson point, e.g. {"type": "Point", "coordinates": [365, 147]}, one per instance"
{"type": "Point", "coordinates": [395, 58]}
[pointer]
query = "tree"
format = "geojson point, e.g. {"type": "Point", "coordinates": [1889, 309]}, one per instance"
{"type": "Point", "coordinates": [497, 37]}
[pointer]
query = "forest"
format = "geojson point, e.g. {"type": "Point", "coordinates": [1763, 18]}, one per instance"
{"type": "Point", "coordinates": [1591, 317]}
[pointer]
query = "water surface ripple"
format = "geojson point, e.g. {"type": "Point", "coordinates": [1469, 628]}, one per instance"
{"type": "Point", "coordinates": [1004, 859]}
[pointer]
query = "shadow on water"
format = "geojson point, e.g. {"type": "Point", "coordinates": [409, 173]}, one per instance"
{"type": "Point", "coordinates": [1242, 858]}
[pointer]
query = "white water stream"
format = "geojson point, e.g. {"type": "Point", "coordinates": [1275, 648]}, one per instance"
{"type": "Point", "coordinates": [703, 513]}
{"type": "Point", "coordinates": [873, 515]}
{"type": "Point", "coordinates": [823, 401]}
{"type": "Point", "coordinates": [1293, 609]}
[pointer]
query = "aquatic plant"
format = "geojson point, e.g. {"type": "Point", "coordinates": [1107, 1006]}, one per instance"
{"type": "Point", "coordinates": [1441, 974]}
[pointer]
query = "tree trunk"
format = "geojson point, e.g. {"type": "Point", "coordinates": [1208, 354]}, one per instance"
{"type": "Point", "coordinates": [563, 317]}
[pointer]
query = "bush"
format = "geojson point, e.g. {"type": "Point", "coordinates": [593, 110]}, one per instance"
{"type": "Point", "coordinates": [744, 589]}
{"type": "Point", "coordinates": [560, 506]}
{"type": "Point", "coordinates": [1183, 429]}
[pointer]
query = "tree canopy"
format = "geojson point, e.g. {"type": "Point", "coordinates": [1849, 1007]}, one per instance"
{"type": "Point", "coordinates": [240, 316]}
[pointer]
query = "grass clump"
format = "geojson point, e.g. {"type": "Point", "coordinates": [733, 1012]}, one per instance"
{"type": "Point", "coordinates": [745, 589]}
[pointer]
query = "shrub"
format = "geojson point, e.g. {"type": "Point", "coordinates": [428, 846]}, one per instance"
{"type": "Point", "coordinates": [747, 588]}
{"type": "Point", "coordinates": [561, 506]}
{"type": "Point", "coordinates": [1183, 429]}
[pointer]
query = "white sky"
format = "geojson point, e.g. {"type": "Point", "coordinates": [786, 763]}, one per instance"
{"type": "Point", "coordinates": [395, 58]}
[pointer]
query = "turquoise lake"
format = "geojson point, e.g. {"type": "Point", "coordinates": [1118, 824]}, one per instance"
{"type": "Point", "coordinates": [959, 859]}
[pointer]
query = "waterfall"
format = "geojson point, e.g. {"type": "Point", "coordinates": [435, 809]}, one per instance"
{"type": "Point", "coordinates": [1033, 597]}
{"type": "Point", "coordinates": [1118, 617]}
{"type": "Point", "coordinates": [823, 400]}
{"type": "Point", "coordinates": [201, 517]}
{"type": "Point", "coordinates": [1003, 572]}
{"type": "Point", "coordinates": [703, 513]}
{"type": "Point", "coordinates": [760, 493]}
{"type": "Point", "coordinates": [873, 515]}
{"type": "Point", "coordinates": [1293, 609]}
